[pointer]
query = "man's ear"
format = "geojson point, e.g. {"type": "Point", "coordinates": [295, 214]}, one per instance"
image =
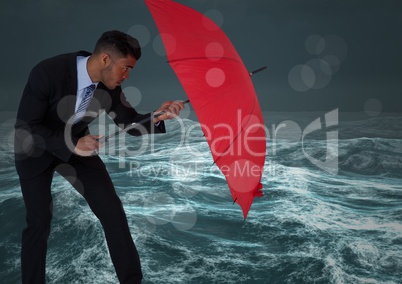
{"type": "Point", "coordinates": [105, 59]}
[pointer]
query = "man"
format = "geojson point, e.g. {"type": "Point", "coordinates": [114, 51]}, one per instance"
{"type": "Point", "coordinates": [62, 96]}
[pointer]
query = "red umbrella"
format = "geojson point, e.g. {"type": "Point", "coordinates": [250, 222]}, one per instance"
{"type": "Point", "coordinates": [221, 93]}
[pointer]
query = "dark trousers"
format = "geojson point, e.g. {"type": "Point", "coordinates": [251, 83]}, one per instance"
{"type": "Point", "coordinates": [95, 185]}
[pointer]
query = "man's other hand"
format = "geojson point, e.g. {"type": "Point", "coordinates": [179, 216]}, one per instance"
{"type": "Point", "coordinates": [88, 145]}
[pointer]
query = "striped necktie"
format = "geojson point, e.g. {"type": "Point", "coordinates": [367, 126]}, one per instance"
{"type": "Point", "coordinates": [79, 114]}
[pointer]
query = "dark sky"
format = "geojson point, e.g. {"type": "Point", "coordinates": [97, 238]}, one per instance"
{"type": "Point", "coordinates": [320, 54]}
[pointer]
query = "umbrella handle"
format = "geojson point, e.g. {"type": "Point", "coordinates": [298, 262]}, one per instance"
{"type": "Point", "coordinates": [133, 125]}
{"type": "Point", "coordinates": [163, 112]}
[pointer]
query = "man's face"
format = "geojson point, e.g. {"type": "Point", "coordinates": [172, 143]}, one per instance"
{"type": "Point", "coordinates": [117, 70]}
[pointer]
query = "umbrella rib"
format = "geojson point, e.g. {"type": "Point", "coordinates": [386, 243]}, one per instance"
{"type": "Point", "coordinates": [235, 139]}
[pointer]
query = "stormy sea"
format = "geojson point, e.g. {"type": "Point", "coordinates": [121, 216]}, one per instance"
{"type": "Point", "coordinates": [331, 210]}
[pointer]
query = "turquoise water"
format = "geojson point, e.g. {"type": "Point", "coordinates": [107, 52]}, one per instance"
{"type": "Point", "coordinates": [340, 224]}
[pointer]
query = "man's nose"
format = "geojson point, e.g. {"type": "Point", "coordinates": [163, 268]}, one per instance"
{"type": "Point", "coordinates": [126, 75]}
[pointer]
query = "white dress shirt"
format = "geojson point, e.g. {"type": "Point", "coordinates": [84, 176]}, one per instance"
{"type": "Point", "coordinates": [83, 79]}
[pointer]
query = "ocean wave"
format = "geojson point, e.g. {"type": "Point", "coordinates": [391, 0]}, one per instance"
{"type": "Point", "coordinates": [311, 226]}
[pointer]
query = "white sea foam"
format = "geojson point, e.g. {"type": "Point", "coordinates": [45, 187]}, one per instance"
{"type": "Point", "coordinates": [310, 227]}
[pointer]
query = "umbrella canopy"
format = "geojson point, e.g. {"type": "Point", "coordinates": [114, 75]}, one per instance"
{"type": "Point", "coordinates": [221, 93]}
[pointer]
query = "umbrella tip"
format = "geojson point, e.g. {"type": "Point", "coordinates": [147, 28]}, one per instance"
{"type": "Point", "coordinates": [258, 70]}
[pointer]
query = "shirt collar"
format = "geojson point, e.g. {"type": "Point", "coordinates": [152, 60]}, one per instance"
{"type": "Point", "coordinates": [83, 79]}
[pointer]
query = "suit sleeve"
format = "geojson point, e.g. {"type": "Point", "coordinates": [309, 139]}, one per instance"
{"type": "Point", "coordinates": [31, 129]}
{"type": "Point", "coordinates": [124, 115]}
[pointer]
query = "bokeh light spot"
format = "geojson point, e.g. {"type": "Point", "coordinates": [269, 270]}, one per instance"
{"type": "Point", "coordinates": [184, 218]}
{"type": "Point", "coordinates": [322, 73]}
{"type": "Point", "coordinates": [215, 77]}
{"type": "Point", "coordinates": [63, 111]}
{"type": "Point", "coordinates": [165, 48]}
{"type": "Point", "coordinates": [133, 96]}
{"type": "Point", "coordinates": [333, 62]}
{"type": "Point", "coordinates": [335, 46]}
{"type": "Point", "coordinates": [159, 208]}
{"type": "Point", "coordinates": [212, 20]}
{"type": "Point", "coordinates": [308, 76]}
{"type": "Point", "coordinates": [373, 107]}
{"type": "Point", "coordinates": [25, 145]}
{"type": "Point", "coordinates": [214, 51]}
{"type": "Point", "coordinates": [141, 33]}
{"type": "Point", "coordinates": [301, 77]}
{"type": "Point", "coordinates": [112, 115]}
{"type": "Point", "coordinates": [314, 44]}
{"type": "Point", "coordinates": [251, 124]}
{"type": "Point", "coordinates": [287, 130]}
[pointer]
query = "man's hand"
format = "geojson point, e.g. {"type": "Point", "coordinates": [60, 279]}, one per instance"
{"type": "Point", "coordinates": [171, 109]}
{"type": "Point", "coordinates": [88, 145]}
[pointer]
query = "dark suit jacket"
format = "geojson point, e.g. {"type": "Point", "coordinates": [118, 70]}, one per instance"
{"type": "Point", "coordinates": [44, 118]}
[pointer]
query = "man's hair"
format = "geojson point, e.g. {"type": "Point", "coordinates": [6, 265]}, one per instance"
{"type": "Point", "coordinates": [119, 43]}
